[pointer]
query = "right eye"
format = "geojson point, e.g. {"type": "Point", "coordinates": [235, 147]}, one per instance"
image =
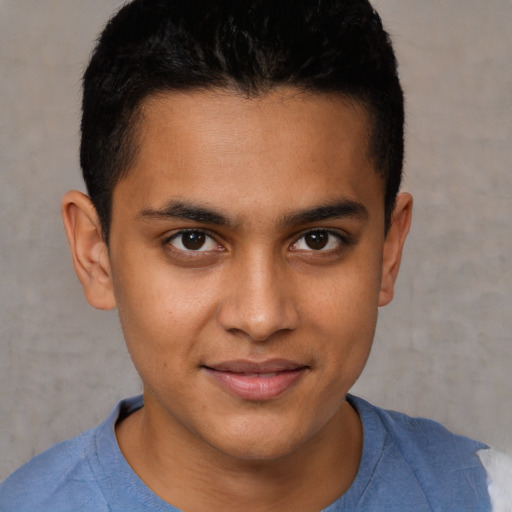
{"type": "Point", "coordinates": [193, 240]}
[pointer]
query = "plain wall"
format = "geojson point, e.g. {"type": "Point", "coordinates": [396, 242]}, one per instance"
{"type": "Point", "coordinates": [443, 348]}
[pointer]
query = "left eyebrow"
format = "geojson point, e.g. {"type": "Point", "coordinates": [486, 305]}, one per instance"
{"type": "Point", "coordinates": [345, 208]}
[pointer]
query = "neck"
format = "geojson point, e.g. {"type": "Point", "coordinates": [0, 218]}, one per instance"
{"type": "Point", "coordinates": [195, 477]}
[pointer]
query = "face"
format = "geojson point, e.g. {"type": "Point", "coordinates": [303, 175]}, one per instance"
{"type": "Point", "coordinates": [246, 254]}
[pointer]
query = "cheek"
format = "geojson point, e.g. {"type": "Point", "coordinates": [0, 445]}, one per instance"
{"type": "Point", "coordinates": [347, 299]}
{"type": "Point", "coordinates": [343, 316]}
{"type": "Point", "coordinates": [162, 312]}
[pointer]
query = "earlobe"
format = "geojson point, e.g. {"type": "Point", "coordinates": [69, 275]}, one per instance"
{"type": "Point", "coordinates": [88, 248]}
{"type": "Point", "coordinates": [393, 246]}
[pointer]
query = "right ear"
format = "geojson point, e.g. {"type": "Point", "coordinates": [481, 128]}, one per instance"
{"type": "Point", "coordinates": [89, 250]}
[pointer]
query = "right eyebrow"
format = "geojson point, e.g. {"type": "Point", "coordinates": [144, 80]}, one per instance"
{"type": "Point", "coordinates": [185, 211]}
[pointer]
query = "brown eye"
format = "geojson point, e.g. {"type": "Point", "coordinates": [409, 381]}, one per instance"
{"type": "Point", "coordinates": [317, 240]}
{"type": "Point", "coordinates": [320, 240]}
{"type": "Point", "coordinates": [193, 240]}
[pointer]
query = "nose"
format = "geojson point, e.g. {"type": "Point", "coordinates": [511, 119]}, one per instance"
{"type": "Point", "coordinates": [260, 301]}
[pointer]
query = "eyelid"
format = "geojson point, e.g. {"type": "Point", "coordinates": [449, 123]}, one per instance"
{"type": "Point", "coordinates": [176, 234]}
{"type": "Point", "coordinates": [344, 239]}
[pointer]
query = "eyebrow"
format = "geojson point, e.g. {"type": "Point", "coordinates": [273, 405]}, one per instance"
{"type": "Point", "coordinates": [344, 208]}
{"type": "Point", "coordinates": [185, 211]}
{"type": "Point", "coordinates": [176, 209]}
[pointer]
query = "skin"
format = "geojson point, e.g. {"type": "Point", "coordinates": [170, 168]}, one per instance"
{"type": "Point", "coordinates": [279, 277]}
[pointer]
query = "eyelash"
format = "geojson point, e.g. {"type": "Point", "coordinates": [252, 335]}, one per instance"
{"type": "Point", "coordinates": [342, 239]}
{"type": "Point", "coordinates": [180, 234]}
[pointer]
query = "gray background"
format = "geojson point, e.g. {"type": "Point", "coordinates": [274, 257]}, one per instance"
{"type": "Point", "coordinates": [443, 348]}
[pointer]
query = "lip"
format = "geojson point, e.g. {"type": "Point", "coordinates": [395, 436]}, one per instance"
{"type": "Point", "coordinates": [256, 381]}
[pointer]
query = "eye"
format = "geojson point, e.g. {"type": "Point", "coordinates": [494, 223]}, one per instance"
{"type": "Point", "coordinates": [193, 241]}
{"type": "Point", "coordinates": [318, 240]}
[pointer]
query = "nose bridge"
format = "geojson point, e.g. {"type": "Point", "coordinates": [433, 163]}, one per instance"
{"type": "Point", "coordinates": [261, 301]}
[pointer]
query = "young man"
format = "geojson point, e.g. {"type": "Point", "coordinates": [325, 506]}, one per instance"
{"type": "Point", "coordinates": [243, 161]}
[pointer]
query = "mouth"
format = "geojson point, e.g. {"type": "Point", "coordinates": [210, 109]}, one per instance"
{"type": "Point", "coordinates": [256, 381]}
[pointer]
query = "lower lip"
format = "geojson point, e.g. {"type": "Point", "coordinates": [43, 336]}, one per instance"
{"type": "Point", "coordinates": [250, 387]}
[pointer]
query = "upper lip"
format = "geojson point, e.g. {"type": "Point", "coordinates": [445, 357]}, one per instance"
{"type": "Point", "coordinates": [245, 366]}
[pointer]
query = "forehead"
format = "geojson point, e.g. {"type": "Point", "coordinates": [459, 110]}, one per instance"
{"type": "Point", "coordinates": [220, 116]}
{"type": "Point", "coordinates": [210, 144]}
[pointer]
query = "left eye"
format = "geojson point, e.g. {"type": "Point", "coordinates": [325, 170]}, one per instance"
{"type": "Point", "coordinates": [193, 241]}
{"type": "Point", "coordinates": [319, 240]}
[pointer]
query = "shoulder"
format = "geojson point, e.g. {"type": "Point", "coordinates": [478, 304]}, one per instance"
{"type": "Point", "coordinates": [54, 480]}
{"type": "Point", "coordinates": [445, 465]}
{"type": "Point", "coordinates": [72, 475]}
{"type": "Point", "coordinates": [417, 436]}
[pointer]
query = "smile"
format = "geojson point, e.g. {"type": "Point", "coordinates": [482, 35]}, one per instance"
{"type": "Point", "coordinates": [256, 381]}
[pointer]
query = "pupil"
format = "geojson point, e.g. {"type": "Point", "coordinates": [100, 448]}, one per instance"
{"type": "Point", "coordinates": [317, 240]}
{"type": "Point", "coordinates": [193, 240]}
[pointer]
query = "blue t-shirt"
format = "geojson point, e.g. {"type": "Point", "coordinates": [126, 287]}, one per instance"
{"type": "Point", "coordinates": [407, 464]}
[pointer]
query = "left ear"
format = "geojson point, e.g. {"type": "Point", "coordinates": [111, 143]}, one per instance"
{"type": "Point", "coordinates": [393, 246]}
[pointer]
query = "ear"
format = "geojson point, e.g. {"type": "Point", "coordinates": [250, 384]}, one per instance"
{"type": "Point", "coordinates": [89, 251]}
{"type": "Point", "coordinates": [393, 246]}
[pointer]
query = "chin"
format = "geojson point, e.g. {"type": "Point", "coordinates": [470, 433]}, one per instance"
{"type": "Point", "coordinates": [259, 443]}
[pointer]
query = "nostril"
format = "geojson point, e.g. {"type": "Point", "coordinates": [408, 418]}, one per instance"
{"type": "Point", "coordinates": [259, 327]}
{"type": "Point", "coordinates": [259, 302]}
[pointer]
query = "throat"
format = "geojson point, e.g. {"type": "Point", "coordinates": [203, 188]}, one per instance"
{"type": "Point", "coordinates": [310, 478]}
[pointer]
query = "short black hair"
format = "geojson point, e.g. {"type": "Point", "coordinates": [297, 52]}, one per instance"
{"type": "Point", "coordinates": [249, 46]}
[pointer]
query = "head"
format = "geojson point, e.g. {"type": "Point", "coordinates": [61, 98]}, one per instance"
{"type": "Point", "coordinates": [250, 47]}
{"type": "Point", "coordinates": [243, 159]}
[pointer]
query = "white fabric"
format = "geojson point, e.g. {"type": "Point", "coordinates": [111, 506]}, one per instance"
{"type": "Point", "coordinates": [499, 473]}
